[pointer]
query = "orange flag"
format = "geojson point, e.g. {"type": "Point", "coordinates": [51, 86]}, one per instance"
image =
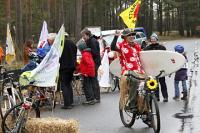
{"type": "Point", "coordinates": [129, 16]}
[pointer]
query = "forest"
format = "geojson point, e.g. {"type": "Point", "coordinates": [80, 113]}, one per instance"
{"type": "Point", "coordinates": [26, 16]}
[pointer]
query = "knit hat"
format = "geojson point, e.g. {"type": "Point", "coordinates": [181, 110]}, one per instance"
{"type": "Point", "coordinates": [154, 36]}
{"type": "Point", "coordinates": [82, 45]}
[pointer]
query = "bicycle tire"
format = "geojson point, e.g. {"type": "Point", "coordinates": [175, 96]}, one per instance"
{"type": "Point", "coordinates": [130, 115]}
{"type": "Point", "coordinates": [21, 119]}
{"type": "Point", "coordinates": [4, 125]}
{"type": "Point", "coordinates": [113, 88]}
{"type": "Point", "coordinates": [155, 114]}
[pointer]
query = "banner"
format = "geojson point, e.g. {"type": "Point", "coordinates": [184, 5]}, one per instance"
{"type": "Point", "coordinates": [104, 79]}
{"type": "Point", "coordinates": [10, 51]}
{"type": "Point", "coordinates": [43, 35]}
{"type": "Point", "coordinates": [46, 73]}
{"type": "Point", "coordinates": [129, 16]}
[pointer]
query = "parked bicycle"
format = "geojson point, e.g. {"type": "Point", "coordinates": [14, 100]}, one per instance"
{"type": "Point", "coordinates": [29, 107]}
{"type": "Point", "coordinates": [114, 82]}
{"type": "Point", "coordinates": [147, 107]}
{"type": "Point", "coordinates": [10, 92]}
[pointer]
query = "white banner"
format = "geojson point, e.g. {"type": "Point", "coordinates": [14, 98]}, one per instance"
{"type": "Point", "coordinates": [104, 80]}
{"type": "Point", "coordinates": [10, 51]}
{"type": "Point", "coordinates": [46, 73]}
{"type": "Point", "coordinates": [43, 35]}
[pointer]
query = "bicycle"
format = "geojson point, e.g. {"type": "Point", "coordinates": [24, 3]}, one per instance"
{"type": "Point", "coordinates": [114, 82]}
{"type": "Point", "coordinates": [29, 107]}
{"type": "Point", "coordinates": [10, 92]}
{"type": "Point", "coordinates": [148, 109]}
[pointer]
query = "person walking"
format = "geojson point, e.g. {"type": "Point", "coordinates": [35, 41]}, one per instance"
{"type": "Point", "coordinates": [156, 46]}
{"type": "Point", "coordinates": [67, 68]}
{"type": "Point", "coordinates": [181, 75]}
{"type": "Point", "coordinates": [93, 44]}
{"type": "Point", "coordinates": [87, 69]}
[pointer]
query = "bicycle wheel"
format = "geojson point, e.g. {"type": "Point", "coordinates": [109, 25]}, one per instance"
{"type": "Point", "coordinates": [154, 114]}
{"type": "Point", "coordinates": [113, 82]}
{"type": "Point", "coordinates": [127, 117]}
{"type": "Point", "coordinates": [11, 121]}
{"type": "Point", "coordinates": [14, 122]}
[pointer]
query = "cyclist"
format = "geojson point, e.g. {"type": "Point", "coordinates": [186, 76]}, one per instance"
{"type": "Point", "coordinates": [129, 60]}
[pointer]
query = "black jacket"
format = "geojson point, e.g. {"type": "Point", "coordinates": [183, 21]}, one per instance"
{"type": "Point", "coordinates": [68, 57]}
{"type": "Point", "coordinates": [95, 49]}
{"type": "Point", "coordinates": [155, 47]}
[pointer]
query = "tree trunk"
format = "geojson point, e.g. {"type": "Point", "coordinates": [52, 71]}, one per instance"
{"type": "Point", "coordinates": [78, 19]}
{"type": "Point", "coordinates": [8, 15]}
{"type": "Point", "coordinates": [19, 28]}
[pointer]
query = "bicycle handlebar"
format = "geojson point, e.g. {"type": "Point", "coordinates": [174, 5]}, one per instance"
{"type": "Point", "coordinates": [139, 78]}
{"type": "Point", "coordinates": [135, 77]}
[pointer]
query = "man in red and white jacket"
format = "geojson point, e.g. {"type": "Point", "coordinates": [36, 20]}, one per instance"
{"type": "Point", "coordinates": [129, 60]}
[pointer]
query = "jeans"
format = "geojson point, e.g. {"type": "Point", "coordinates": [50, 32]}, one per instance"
{"type": "Point", "coordinates": [176, 85]}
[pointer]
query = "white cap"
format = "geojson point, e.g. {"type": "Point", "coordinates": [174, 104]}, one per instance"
{"type": "Point", "coordinates": [51, 36]}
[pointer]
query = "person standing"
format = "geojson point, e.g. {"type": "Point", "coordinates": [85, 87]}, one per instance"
{"type": "Point", "coordinates": [87, 69]}
{"type": "Point", "coordinates": [181, 75]}
{"type": "Point", "coordinates": [92, 43]}
{"type": "Point", "coordinates": [27, 49]}
{"type": "Point", "coordinates": [67, 68]}
{"type": "Point", "coordinates": [156, 46]}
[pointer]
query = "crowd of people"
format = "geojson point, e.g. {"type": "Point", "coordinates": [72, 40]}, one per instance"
{"type": "Point", "coordinates": [89, 47]}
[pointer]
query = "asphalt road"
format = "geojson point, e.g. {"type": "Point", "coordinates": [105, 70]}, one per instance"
{"type": "Point", "coordinates": [176, 116]}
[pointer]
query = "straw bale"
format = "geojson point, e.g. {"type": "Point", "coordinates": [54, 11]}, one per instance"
{"type": "Point", "coordinates": [51, 125]}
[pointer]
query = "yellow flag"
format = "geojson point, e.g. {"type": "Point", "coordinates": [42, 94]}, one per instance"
{"type": "Point", "coordinates": [10, 51]}
{"type": "Point", "coordinates": [129, 16]}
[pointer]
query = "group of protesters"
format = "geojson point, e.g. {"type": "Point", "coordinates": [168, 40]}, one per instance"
{"type": "Point", "coordinates": [89, 48]}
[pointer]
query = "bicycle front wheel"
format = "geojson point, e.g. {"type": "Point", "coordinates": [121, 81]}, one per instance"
{"type": "Point", "coordinates": [127, 117]}
{"type": "Point", "coordinates": [155, 114]}
{"type": "Point", "coordinates": [14, 119]}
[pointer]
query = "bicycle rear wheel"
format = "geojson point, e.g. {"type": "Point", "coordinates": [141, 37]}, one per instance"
{"type": "Point", "coordinates": [155, 114]}
{"type": "Point", "coordinates": [127, 117]}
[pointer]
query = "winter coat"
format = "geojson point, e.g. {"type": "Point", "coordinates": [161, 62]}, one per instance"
{"type": "Point", "coordinates": [181, 74]}
{"type": "Point", "coordinates": [95, 50]}
{"type": "Point", "coordinates": [155, 47]}
{"type": "Point", "coordinates": [87, 65]}
{"type": "Point", "coordinates": [68, 57]}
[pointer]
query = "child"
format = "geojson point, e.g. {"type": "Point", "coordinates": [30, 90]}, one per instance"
{"type": "Point", "coordinates": [87, 69]}
{"type": "Point", "coordinates": [181, 75]}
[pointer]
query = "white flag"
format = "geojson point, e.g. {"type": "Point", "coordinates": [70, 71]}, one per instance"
{"type": "Point", "coordinates": [43, 35]}
{"type": "Point", "coordinates": [10, 51]}
{"type": "Point", "coordinates": [104, 80]}
{"type": "Point", "coordinates": [46, 73]}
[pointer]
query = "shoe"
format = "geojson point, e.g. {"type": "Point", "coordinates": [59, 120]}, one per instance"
{"type": "Point", "coordinates": [158, 99]}
{"type": "Point", "coordinates": [97, 101]}
{"type": "Point", "coordinates": [176, 97]}
{"type": "Point", "coordinates": [183, 98]}
{"type": "Point", "coordinates": [91, 102]}
{"type": "Point", "coordinates": [67, 107]}
{"type": "Point", "coordinates": [165, 100]}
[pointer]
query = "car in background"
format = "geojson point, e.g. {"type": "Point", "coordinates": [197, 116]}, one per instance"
{"type": "Point", "coordinates": [140, 29]}
{"type": "Point", "coordinates": [141, 39]}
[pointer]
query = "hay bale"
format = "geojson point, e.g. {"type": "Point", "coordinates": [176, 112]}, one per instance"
{"type": "Point", "coordinates": [51, 125]}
